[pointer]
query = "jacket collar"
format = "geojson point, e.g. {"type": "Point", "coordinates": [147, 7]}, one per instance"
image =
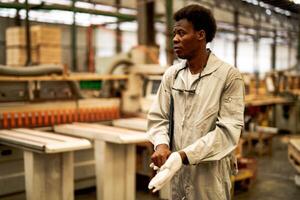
{"type": "Point", "coordinates": [213, 63]}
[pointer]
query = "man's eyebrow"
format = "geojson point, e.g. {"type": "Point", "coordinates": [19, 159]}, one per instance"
{"type": "Point", "coordinates": [178, 29]}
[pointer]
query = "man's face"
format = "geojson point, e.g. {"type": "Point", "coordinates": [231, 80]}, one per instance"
{"type": "Point", "coordinates": [185, 39]}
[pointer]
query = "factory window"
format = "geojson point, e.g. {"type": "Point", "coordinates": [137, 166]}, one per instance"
{"type": "Point", "coordinates": [222, 46]}
{"type": "Point", "coordinates": [105, 42]}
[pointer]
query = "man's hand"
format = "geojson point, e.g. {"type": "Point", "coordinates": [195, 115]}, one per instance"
{"type": "Point", "coordinates": [166, 172]}
{"type": "Point", "coordinates": [160, 155]}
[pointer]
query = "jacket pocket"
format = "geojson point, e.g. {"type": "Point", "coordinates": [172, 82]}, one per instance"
{"type": "Point", "coordinates": [234, 104]}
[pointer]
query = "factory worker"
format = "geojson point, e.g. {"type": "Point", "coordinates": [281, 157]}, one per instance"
{"type": "Point", "coordinates": [196, 120]}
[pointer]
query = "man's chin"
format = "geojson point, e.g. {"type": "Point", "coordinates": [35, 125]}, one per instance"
{"type": "Point", "coordinates": [181, 56]}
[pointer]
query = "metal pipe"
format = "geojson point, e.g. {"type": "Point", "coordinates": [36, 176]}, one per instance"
{"type": "Point", "coordinates": [169, 13]}
{"type": "Point", "coordinates": [118, 30]}
{"type": "Point", "coordinates": [125, 17]}
{"type": "Point", "coordinates": [17, 18]}
{"type": "Point", "coordinates": [236, 35]}
{"type": "Point", "coordinates": [28, 35]}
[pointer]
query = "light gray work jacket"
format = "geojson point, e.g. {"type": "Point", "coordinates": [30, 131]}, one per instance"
{"type": "Point", "coordinates": [207, 125]}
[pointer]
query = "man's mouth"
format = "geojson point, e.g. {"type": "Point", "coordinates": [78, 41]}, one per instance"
{"type": "Point", "coordinates": [177, 48]}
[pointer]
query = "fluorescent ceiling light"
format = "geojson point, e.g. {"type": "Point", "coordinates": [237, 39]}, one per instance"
{"type": "Point", "coordinates": [296, 1]}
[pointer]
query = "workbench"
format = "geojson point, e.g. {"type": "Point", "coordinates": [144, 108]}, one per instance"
{"type": "Point", "coordinates": [141, 124]}
{"type": "Point", "coordinates": [115, 157]}
{"type": "Point", "coordinates": [48, 162]}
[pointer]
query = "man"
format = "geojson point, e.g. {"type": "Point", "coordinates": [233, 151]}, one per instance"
{"type": "Point", "coordinates": [208, 106]}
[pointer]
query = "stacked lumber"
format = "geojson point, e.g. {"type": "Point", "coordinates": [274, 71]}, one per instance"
{"type": "Point", "coordinates": [45, 45]}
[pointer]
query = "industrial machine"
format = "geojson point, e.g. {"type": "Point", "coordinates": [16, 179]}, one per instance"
{"type": "Point", "coordinates": [40, 97]}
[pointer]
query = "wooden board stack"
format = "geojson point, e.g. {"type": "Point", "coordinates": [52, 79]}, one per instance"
{"type": "Point", "coordinates": [45, 45]}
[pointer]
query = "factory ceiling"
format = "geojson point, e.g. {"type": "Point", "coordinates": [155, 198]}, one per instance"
{"type": "Point", "coordinates": [284, 4]}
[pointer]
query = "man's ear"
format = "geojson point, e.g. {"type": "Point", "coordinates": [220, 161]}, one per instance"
{"type": "Point", "coordinates": [201, 35]}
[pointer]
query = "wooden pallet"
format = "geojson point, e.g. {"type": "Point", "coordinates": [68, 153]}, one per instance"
{"type": "Point", "coordinates": [294, 153]}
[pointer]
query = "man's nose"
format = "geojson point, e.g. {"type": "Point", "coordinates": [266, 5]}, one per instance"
{"type": "Point", "coordinates": [175, 39]}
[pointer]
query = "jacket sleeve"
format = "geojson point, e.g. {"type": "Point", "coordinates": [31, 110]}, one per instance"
{"type": "Point", "coordinates": [221, 141]}
{"type": "Point", "coordinates": [158, 116]}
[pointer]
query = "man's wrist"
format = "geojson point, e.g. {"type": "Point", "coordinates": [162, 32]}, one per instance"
{"type": "Point", "coordinates": [162, 146]}
{"type": "Point", "coordinates": [184, 158]}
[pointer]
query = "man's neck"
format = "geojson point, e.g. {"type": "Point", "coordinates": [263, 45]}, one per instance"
{"type": "Point", "coordinates": [197, 63]}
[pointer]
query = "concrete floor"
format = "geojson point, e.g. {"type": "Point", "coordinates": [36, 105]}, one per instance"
{"type": "Point", "coordinates": [275, 176]}
{"type": "Point", "coordinates": [275, 180]}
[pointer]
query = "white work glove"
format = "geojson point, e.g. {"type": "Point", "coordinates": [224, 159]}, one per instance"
{"type": "Point", "coordinates": [154, 167]}
{"type": "Point", "coordinates": [166, 172]}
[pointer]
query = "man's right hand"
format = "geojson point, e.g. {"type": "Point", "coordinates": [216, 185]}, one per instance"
{"type": "Point", "coordinates": [160, 155]}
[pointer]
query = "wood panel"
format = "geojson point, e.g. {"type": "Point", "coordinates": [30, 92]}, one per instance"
{"type": "Point", "coordinates": [102, 132]}
{"type": "Point", "coordinates": [138, 124]}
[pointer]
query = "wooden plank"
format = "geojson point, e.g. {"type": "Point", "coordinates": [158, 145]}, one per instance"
{"type": "Point", "coordinates": [36, 140]}
{"type": "Point", "coordinates": [114, 130]}
{"type": "Point", "coordinates": [6, 137]}
{"type": "Point", "coordinates": [120, 134]}
{"type": "Point", "coordinates": [138, 124]}
{"type": "Point", "coordinates": [102, 132]}
{"type": "Point", "coordinates": [71, 77]}
{"type": "Point", "coordinates": [43, 134]}
{"type": "Point", "coordinates": [294, 153]}
{"type": "Point", "coordinates": [296, 143]}
{"type": "Point", "coordinates": [45, 35]}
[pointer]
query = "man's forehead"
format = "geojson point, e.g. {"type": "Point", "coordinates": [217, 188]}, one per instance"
{"type": "Point", "coordinates": [183, 23]}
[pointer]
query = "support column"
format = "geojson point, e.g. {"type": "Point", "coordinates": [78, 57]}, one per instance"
{"type": "Point", "coordinates": [147, 50]}
{"type": "Point", "coordinates": [256, 39]}
{"type": "Point", "coordinates": [49, 176]}
{"type": "Point", "coordinates": [118, 30]}
{"type": "Point", "coordinates": [145, 16]}
{"type": "Point", "coordinates": [290, 47]}
{"type": "Point", "coordinates": [169, 31]}
{"type": "Point", "coordinates": [115, 170]}
{"type": "Point", "coordinates": [74, 39]}
{"type": "Point", "coordinates": [273, 50]}
{"type": "Point", "coordinates": [298, 49]}
{"type": "Point", "coordinates": [28, 39]}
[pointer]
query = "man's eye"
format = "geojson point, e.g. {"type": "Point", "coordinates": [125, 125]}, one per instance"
{"type": "Point", "coordinates": [181, 33]}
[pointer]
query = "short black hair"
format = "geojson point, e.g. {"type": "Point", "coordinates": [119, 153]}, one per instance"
{"type": "Point", "coordinates": [201, 18]}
